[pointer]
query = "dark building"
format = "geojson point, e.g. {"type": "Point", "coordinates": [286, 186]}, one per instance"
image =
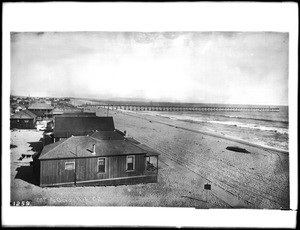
{"type": "Point", "coordinates": [23, 120]}
{"type": "Point", "coordinates": [103, 158]}
{"type": "Point", "coordinates": [41, 110]}
{"type": "Point", "coordinates": [66, 126]}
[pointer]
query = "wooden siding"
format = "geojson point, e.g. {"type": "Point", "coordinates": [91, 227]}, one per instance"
{"type": "Point", "coordinates": [117, 166]}
{"type": "Point", "coordinates": [53, 171]}
{"type": "Point", "coordinates": [87, 169]}
{"type": "Point", "coordinates": [21, 124]}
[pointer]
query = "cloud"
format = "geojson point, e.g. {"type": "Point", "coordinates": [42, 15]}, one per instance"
{"type": "Point", "coordinates": [183, 66]}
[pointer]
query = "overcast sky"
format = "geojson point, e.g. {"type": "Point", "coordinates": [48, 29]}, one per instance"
{"type": "Point", "coordinates": [204, 67]}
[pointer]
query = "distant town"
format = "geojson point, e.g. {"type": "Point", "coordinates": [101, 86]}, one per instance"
{"type": "Point", "coordinates": [18, 103]}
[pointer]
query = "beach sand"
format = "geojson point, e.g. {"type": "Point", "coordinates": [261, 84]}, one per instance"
{"type": "Point", "coordinates": [189, 159]}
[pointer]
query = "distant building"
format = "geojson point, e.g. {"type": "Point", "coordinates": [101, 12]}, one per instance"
{"type": "Point", "coordinates": [50, 126]}
{"type": "Point", "coordinates": [19, 108]}
{"type": "Point", "coordinates": [41, 109]}
{"type": "Point", "coordinates": [23, 119]}
{"type": "Point", "coordinates": [95, 160]}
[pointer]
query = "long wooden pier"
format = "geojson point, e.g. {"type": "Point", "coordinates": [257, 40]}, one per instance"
{"type": "Point", "coordinates": [184, 108]}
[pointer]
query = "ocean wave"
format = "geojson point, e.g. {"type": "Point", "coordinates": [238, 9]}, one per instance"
{"type": "Point", "coordinates": [186, 117]}
{"type": "Point", "coordinates": [229, 123]}
{"type": "Point", "coordinates": [252, 126]}
{"type": "Point", "coordinates": [252, 118]}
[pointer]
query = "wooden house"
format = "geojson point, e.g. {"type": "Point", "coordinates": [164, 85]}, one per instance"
{"type": "Point", "coordinates": [103, 158]}
{"type": "Point", "coordinates": [24, 119]}
{"type": "Point", "coordinates": [41, 110]}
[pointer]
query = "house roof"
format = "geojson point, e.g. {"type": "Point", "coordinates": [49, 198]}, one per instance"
{"type": "Point", "coordinates": [40, 106]}
{"type": "Point", "coordinates": [78, 126]}
{"type": "Point", "coordinates": [29, 113]}
{"type": "Point", "coordinates": [107, 135]}
{"type": "Point", "coordinates": [23, 114]}
{"type": "Point", "coordinates": [150, 151]}
{"type": "Point", "coordinates": [131, 139]}
{"type": "Point", "coordinates": [38, 113]}
{"type": "Point", "coordinates": [82, 146]}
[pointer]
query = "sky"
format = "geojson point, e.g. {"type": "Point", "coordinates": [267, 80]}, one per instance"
{"type": "Point", "coordinates": [196, 67]}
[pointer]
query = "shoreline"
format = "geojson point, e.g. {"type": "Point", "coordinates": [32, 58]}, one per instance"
{"type": "Point", "coordinates": [251, 144]}
{"type": "Point", "coordinates": [259, 179]}
{"type": "Point", "coordinates": [189, 159]}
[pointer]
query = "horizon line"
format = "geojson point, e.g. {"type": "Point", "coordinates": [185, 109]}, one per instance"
{"type": "Point", "coordinates": [147, 100]}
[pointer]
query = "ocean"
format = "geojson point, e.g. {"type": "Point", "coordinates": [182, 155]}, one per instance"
{"type": "Point", "coordinates": [263, 128]}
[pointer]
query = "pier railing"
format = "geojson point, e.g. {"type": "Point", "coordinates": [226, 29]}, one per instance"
{"type": "Point", "coordinates": [185, 108]}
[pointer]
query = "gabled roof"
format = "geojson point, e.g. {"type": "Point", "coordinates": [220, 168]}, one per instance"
{"type": "Point", "coordinates": [23, 114]}
{"type": "Point", "coordinates": [82, 146]}
{"type": "Point", "coordinates": [40, 106]}
{"type": "Point", "coordinates": [131, 139]}
{"type": "Point", "coordinates": [150, 151]}
{"type": "Point", "coordinates": [78, 126]}
{"type": "Point", "coordinates": [30, 113]}
{"type": "Point", "coordinates": [38, 113]}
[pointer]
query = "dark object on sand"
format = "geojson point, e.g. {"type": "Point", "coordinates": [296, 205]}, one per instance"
{"type": "Point", "coordinates": [237, 149]}
{"type": "Point", "coordinates": [13, 146]}
{"type": "Point", "coordinates": [207, 186]}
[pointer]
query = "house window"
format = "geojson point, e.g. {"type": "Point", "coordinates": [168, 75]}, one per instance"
{"type": "Point", "coordinates": [101, 165]}
{"type": "Point", "coordinates": [130, 163]}
{"type": "Point", "coordinates": [69, 165]}
{"type": "Point", "coordinates": [26, 121]}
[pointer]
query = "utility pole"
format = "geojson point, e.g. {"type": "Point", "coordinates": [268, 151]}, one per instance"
{"type": "Point", "coordinates": [207, 187]}
{"type": "Point", "coordinates": [75, 171]}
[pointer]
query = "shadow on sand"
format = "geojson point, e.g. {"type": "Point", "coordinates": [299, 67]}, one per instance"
{"type": "Point", "coordinates": [26, 174]}
{"type": "Point", "coordinates": [36, 146]}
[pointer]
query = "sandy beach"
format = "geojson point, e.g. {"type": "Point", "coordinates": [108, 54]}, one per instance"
{"type": "Point", "coordinates": [189, 159]}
